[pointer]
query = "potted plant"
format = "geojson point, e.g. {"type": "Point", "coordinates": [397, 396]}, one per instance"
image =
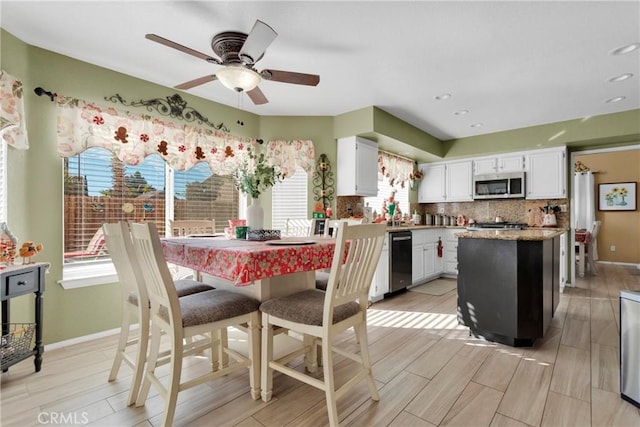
{"type": "Point", "coordinates": [254, 176]}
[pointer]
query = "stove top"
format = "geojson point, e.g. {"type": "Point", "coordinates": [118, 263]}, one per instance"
{"type": "Point", "coordinates": [497, 226]}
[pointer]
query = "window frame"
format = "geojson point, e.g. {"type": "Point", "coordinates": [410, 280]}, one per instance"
{"type": "Point", "coordinates": [100, 272]}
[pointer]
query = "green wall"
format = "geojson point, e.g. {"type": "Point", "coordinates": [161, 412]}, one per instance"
{"type": "Point", "coordinates": [35, 176]}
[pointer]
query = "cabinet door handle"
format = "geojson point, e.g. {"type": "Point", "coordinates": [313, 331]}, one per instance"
{"type": "Point", "coordinates": [22, 283]}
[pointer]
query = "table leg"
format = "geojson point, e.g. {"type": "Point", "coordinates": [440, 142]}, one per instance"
{"type": "Point", "coordinates": [39, 347]}
{"type": "Point", "coordinates": [581, 259]}
{"type": "Point", "coordinates": [5, 321]}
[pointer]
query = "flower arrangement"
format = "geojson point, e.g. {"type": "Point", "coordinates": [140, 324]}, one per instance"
{"type": "Point", "coordinates": [616, 196]}
{"type": "Point", "coordinates": [255, 175]}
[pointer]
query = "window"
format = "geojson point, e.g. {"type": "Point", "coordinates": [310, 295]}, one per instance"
{"type": "Point", "coordinates": [199, 194]}
{"type": "Point", "coordinates": [3, 180]}
{"type": "Point", "coordinates": [99, 188]}
{"type": "Point", "coordinates": [289, 199]}
{"type": "Point", "coordinates": [384, 191]}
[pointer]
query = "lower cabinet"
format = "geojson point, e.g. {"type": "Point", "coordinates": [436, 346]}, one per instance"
{"type": "Point", "coordinates": [451, 251]}
{"type": "Point", "coordinates": [425, 261]}
{"type": "Point", "coordinates": [380, 283]}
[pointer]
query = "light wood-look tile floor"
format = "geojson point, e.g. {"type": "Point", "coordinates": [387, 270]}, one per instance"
{"type": "Point", "coordinates": [427, 368]}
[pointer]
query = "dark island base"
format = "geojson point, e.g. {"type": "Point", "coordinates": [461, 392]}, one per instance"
{"type": "Point", "coordinates": [501, 339]}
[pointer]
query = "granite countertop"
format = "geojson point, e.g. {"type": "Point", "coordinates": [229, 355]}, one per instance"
{"type": "Point", "coordinates": [531, 234]}
{"type": "Point", "coordinates": [420, 227]}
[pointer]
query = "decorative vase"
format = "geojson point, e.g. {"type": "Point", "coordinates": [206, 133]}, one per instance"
{"type": "Point", "coordinates": [255, 215]}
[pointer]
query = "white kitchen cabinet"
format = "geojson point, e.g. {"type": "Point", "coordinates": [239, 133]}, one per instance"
{"type": "Point", "coordinates": [546, 174]}
{"type": "Point", "coordinates": [380, 283]}
{"type": "Point", "coordinates": [432, 187]}
{"type": "Point", "coordinates": [459, 181]}
{"type": "Point", "coordinates": [357, 167]}
{"type": "Point", "coordinates": [451, 251]}
{"type": "Point", "coordinates": [446, 182]}
{"type": "Point", "coordinates": [425, 261]}
{"type": "Point", "coordinates": [499, 164]}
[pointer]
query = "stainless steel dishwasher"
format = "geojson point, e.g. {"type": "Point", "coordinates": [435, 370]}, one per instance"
{"type": "Point", "coordinates": [399, 260]}
{"type": "Point", "coordinates": [630, 346]}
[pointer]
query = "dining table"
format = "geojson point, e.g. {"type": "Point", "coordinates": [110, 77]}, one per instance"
{"type": "Point", "coordinates": [261, 269]}
{"type": "Point", "coordinates": [582, 238]}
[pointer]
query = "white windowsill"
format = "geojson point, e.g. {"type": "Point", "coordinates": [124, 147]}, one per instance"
{"type": "Point", "coordinates": [82, 275]}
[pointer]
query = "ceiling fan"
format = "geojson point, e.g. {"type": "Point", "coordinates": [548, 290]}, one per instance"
{"type": "Point", "coordinates": [238, 53]}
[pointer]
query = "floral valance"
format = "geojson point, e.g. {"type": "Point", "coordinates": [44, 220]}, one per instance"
{"type": "Point", "coordinates": [132, 137]}
{"type": "Point", "coordinates": [397, 169]}
{"type": "Point", "coordinates": [287, 155]}
{"type": "Point", "coordinates": [12, 125]}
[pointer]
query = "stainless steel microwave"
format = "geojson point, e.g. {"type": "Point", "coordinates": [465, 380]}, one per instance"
{"type": "Point", "coordinates": [499, 186]}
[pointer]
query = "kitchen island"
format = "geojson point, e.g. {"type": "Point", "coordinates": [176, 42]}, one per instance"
{"type": "Point", "coordinates": [508, 283]}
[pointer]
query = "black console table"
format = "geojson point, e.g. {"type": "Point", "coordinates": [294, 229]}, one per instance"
{"type": "Point", "coordinates": [17, 280]}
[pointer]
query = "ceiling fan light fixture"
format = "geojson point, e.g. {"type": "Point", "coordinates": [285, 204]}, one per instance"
{"type": "Point", "coordinates": [238, 78]}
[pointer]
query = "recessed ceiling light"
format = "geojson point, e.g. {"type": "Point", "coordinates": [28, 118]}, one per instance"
{"type": "Point", "coordinates": [476, 125]}
{"type": "Point", "coordinates": [616, 99]}
{"type": "Point", "coordinates": [626, 49]}
{"type": "Point", "coordinates": [621, 77]}
{"type": "Point", "coordinates": [442, 97]}
{"type": "Point", "coordinates": [461, 112]}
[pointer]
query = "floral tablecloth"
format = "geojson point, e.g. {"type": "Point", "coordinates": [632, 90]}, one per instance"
{"type": "Point", "coordinates": [243, 261]}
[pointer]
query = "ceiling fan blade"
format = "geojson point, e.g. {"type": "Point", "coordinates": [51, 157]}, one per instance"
{"type": "Point", "coordinates": [290, 77]}
{"type": "Point", "coordinates": [181, 48]}
{"type": "Point", "coordinates": [260, 37]}
{"type": "Point", "coordinates": [257, 96]}
{"type": "Point", "coordinates": [196, 82]}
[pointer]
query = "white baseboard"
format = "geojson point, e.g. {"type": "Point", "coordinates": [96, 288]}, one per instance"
{"type": "Point", "coordinates": [631, 264]}
{"type": "Point", "coordinates": [79, 340]}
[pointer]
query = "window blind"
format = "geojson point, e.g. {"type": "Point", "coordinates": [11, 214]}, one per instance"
{"type": "Point", "coordinates": [99, 188]}
{"type": "Point", "coordinates": [3, 181]}
{"type": "Point", "coordinates": [384, 191]}
{"type": "Point", "coordinates": [200, 194]}
{"type": "Point", "coordinates": [289, 199]}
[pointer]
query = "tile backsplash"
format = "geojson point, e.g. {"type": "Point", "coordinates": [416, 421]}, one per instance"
{"type": "Point", "coordinates": [520, 210]}
{"type": "Point", "coordinates": [525, 211]}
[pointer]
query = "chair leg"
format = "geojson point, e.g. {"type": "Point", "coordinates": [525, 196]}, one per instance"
{"type": "Point", "coordinates": [141, 357]}
{"type": "Point", "coordinates": [311, 355]}
{"type": "Point", "coordinates": [223, 342]}
{"type": "Point", "coordinates": [329, 385]}
{"type": "Point", "coordinates": [175, 366]}
{"type": "Point", "coordinates": [266, 373]}
{"type": "Point", "coordinates": [254, 355]}
{"type": "Point", "coordinates": [122, 342]}
{"type": "Point", "coordinates": [361, 332]}
{"type": "Point", "coordinates": [154, 351]}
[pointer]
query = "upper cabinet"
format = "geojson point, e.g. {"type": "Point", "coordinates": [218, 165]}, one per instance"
{"type": "Point", "coordinates": [432, 187]}
{"type": "Point", "coordinates": [546, 174]}
{"type": "Point", "coordinates": [357, 167]}
{"type": "Point", "coordinates": [499, 164]}
{"type": "Point", "coordinates": [459, 181]}
{"type": "Point", "coordinates": [446, 182]}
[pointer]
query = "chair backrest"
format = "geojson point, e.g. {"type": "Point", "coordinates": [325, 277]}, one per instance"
{"type": "Point", "coordinates": [298, 228]}
{"type": "Point", "coordinates": [157, 277]}
{"type": "Point", "coordinates": [191, 226]}
{"type": "Point", "coordinates": [351, 280]}
{"type": "Point", "coordinates": [118, 241]}
{"type": "Point", "coordinates": [331, 226]}
{"type": "Point", "coordinates": [595, 229]}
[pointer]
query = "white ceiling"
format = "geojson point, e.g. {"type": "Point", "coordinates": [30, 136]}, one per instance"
{"type": "Point", "coordinates": [510, 64]}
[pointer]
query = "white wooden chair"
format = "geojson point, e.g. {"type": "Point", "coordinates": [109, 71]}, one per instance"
{"type": "Point", "coordinates": [320, 316]}
{"type": "Point", "coordinates": [191, 226]}
{"type": "Point", "coordinates": [298, 228]}
{"type": "Point", "coordinates": [591, 252]}
{"type": "Point", "coordinates": [202, 318]}
{"type": "Point", "coordinates": [135, 304]}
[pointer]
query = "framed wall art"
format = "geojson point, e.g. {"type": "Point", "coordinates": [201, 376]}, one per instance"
{"type": "Point", "coordinates": [617, 196]}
